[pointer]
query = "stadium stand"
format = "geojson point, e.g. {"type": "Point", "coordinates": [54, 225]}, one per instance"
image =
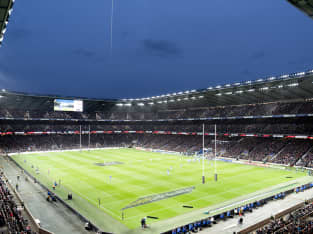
{"type": "Point", "coordinates": [268, 121]}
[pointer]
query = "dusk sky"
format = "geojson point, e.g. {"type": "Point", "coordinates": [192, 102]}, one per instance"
{"type": "Point", "coordinates": [159, 47]}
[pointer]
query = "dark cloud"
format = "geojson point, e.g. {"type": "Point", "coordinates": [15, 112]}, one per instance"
{"type": "Point", "coordinates": [257, 55]}
{"type": "Point", "coordinates": [84, 52]}
{"type": "Point", "coordinates": [19, 34]}
{"type": "Point", "coordinates": [161, 48]}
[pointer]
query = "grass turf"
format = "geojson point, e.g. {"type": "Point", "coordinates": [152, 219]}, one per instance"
{"type": "Point", "coordinates": [142, 174]}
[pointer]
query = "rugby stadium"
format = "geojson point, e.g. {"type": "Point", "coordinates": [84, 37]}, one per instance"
{"type": "Point", "coordinates": [230, 158]}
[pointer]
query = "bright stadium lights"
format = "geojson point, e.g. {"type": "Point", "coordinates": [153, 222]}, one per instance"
{"type": "Point", "coordinates": [271, 78]}
{"type": "Point", "coordinates": [128, 104]}
{"type": "Point", "coordinates": [251, 90]}
{"type": "Point", "coordinates": [140, 104]}
{"type": "Point", "coordinates": [119, 104]}
{"type": "Point", "coordinates": [293, 85]}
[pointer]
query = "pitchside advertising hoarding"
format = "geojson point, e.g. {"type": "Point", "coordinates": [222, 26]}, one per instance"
{"type": "Point", "coordinates": [68, 105]}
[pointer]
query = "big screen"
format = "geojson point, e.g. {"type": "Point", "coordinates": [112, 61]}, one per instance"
{"type": "Point", "coordinates": [68, 105]}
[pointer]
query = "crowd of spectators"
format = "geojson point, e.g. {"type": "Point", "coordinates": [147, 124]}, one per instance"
{"type": "Point", "coordinates": [295, 222]}
{"type": "Point", "coordinates": [292, 152]}
{"type": "Point", "coordinates": [276, 108]}
{"type": "Point", "coordinates": [282, 151]}
{"type": "Point", "coordinates": [10, 215]}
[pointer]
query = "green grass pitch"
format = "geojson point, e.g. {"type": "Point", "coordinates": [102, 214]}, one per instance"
{"type": "Point", "coordinates": [141, 174]}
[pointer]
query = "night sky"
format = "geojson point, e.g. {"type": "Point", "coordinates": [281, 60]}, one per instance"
{"type": "Point", "coordinates": [63, 46]}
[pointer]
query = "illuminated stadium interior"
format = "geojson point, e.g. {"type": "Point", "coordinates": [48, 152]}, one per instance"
{"type": "Point", "coordinates": [229, 158]}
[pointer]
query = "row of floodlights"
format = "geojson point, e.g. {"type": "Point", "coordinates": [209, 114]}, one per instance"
{"type": "Point", "coordinates": [6, 23]}
{"type": "Point", "coordinates": [161, 96]}
{"type": "Point", "coordinates": [260, 89]}
{"type": "Point", "coordinates": [161, 102]}
{"type": "Point", "coordinates": [273, 78]}
{"type": "Point", "coordinates": [200, 97]}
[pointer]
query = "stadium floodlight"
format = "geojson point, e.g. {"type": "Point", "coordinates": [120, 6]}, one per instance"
{"type": "Point", "coordinates": [119, 104]}
{"type": "Point", "coordinates": [127, 104]}
{"type": "Point", "coordinates": [293, 84]}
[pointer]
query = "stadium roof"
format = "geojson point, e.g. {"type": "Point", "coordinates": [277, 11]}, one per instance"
{"type": "Point", "coordinates": [6, 7]}
{"type": "Point", "coordinates": [292, 87]}
{"type": "Point", "coordinates": [304, 5]}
